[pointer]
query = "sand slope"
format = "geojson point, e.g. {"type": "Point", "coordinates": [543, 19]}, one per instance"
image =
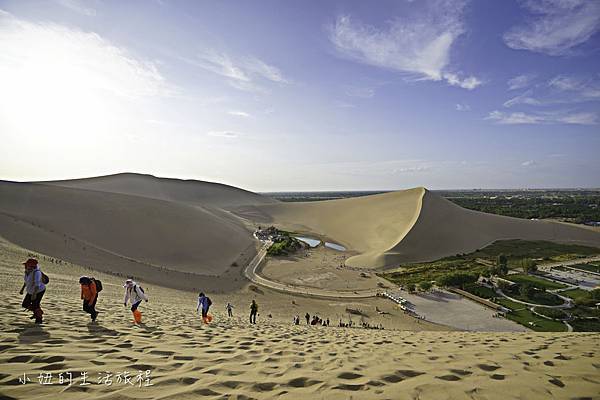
{"type": "Point", "coordinates": [230, 359]}
{"type": "Point", "coordinates": [185, 191]}
{"type": "Point", "coordinates": [408, 226]}
{"type": "Point", "coordinates": [115, 229]}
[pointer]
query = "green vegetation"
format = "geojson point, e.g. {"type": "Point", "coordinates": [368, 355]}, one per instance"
{"type": "Point", "coordinates": [481, 291]}
{"type": "Point", "coordinates": [588, 267]}
{"type": "Point", "coordinates": [585, 312]}
{"type": "Point", "coordinates": [554, 313]}
{"type": "Point", "coordinates": [539, 283]}
{"type": "Point", "coordinates": [526, 292]}
{"type": "Point", "coordinates": [572, 206]}
{"type": "Point", "coordinates": [529, 266]}
{"type": "Point", "coordinates": [540, 324]}
{"type": "Point", "coordinates": [512, 305]}
{"type": "Point", "coordinates": [586, 325]}
{"type": "Point", "coordinates": [590, 299]}
{"type": "Point", "coordinates": [425, 286]}
{"type": "Point", "coordinates": [493, 259]}
{"type": "Point", "coordinates": [575, 293]}
{"type": "Point", "coordinates": [285, 245]}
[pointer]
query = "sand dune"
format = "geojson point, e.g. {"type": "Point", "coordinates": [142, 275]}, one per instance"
{"type": "Point", "coordinates": [408, 226]}
{"type": "Point", "coordinates": [206, 194]}
{"type": "Point", "coordinates": [123, 233]}
{"type": "Point", "coordinates": [274, 359]}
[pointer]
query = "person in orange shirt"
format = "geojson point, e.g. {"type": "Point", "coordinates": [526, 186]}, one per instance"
{"type": "Point", "coordinates": [89, 295]}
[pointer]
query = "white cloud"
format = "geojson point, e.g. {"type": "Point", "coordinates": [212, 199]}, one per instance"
{"type": "Point", "coordinates": [524, 98]}
{"type": "Point", "coordinates": [529, 163]}
{"type": "Point", "coordinates": [556, 26]}
{"type": "Point", "coordinates": [562, 89]}
{"type": "Point", "coordinates": [239, 114]}
{"type": "Point", "coordinates": [463, 107]}
{"type": "Point", "coordinates": [419, 47]}
{"type": "Point", "coordinates": [520, 81]}
{"type": "Point", "coordinates": [558, 117]}
{"type": "Point", "coordinates": [242, 73]}
{"type": "Point", "coordinates": [224, 134]}
{"type": "Point", "coordinates": [47, 57]}
{"type": "Point", "coordinates": [469, 83]}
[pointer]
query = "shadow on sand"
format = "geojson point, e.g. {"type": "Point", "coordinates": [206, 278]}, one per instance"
{"type": "Point", "coordinates": [98, 330]}
{"type": "Point", "coordinates": [32, 333]}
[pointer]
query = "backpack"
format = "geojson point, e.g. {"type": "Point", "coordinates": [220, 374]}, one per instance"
{"type": "Point", "coordinates": [45, 279]}
{"type": "Point", "coordinates": [209, 301]}
{"type": "Point", "coordinates": [98, 285]}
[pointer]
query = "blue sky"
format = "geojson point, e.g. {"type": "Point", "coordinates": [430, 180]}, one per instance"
{"type": "Point", "coordinates": [336, 95]}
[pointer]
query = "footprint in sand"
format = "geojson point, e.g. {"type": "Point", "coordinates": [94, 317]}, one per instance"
{"type": "Point", "coordinates": [556, 382]}
{"type": "Point", "coordinates": [349, 375]}
{"type": "Point", "coordinates": [488, 368]}
{"type": "Point", "coordinates": [497, 377]}
{"type": "Point", "coordinates": [449, 378]}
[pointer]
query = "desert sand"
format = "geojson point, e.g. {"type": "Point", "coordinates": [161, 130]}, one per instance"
{"type": "Point", "coordinates": [274, 359]}
{"type": "Point", "coordinates": [164, 240]}
{"type": "Point", "coordinates": [407, 226]}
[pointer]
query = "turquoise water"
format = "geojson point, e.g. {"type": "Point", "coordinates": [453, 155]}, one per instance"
{"type": "Point", "coordinates": [335, 246]}
{"type": "Point", "coordinates": [311, 242]}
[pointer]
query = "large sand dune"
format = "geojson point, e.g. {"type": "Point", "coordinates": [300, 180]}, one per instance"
{"type": "Point", "coordinates": [408, 226]}
{"type": "Point", "coordinates": [185, 191]}
{"type": "Point", "coordinates": [123, 233]}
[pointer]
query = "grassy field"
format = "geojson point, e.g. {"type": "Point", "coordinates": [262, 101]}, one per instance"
{"type": "Point", "coordinates": [480, 260]}
{"type": "Point", "coordinates": [575, 293]}
{"type": "Point", "coordinates": [513, 305]}
{"type": "Point", "coordinates": [525, 316]}
{"type": "Point", "coordinates": [588, 267]}
{"type": "Point", "coordinates": [537, 282]}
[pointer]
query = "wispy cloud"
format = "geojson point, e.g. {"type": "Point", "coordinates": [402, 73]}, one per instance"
{"type": "Point", "coordinates": [418, 47]}
{"type": "Point", "coordinates": [561, 89]}
{"type": "Point", "coordinates": [239, 114]}
{"type": "Point", "coordinates": [242, 73]}
{"type": "Point", "coordinates": [463, 107]}
{"type": "Point", "coordinates": [529, 163]}
{"type": "Point", "coordinates": [224, 134]}
{"type": "Point", "coordinates": [520, 81]}
{"type": "Point", "coordinates": [555, 26]}
{"type": "Point", "coordinates": [559, 117]}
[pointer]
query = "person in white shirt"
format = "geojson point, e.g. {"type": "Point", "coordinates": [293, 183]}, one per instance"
{"type": "Point", "coordinates": [135, 294]}
{"type": "Point", "coordinates": [35, 289]}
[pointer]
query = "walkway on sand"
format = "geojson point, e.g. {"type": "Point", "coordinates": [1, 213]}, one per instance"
{"type": "Point", "coordinates": [252, 273]}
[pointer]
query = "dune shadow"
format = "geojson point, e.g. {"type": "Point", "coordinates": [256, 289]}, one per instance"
{"type": "Point", "coordinates": [32, 333]}
{"type": "Point", "coordinates": [96, 329]}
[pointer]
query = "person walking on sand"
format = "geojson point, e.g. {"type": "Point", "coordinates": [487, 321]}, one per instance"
{"type": "Point", "coordinates": [253, 312]}
{"type": "Point", "coordinates": [307, 317]}
{"type": "Point", "coordinates": [229, 308]}
{"type": "Point", "coordinates": [204, 303]}
{"type": "Point", "coordinates": [135, 294]}
{"type": "Point", "coordinates": [89, 295]}
{"type": "Point", "coordinates": [34, 283]}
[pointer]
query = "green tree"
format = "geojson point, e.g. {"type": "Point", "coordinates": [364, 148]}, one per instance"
{"type": "Point", "coordinates": [425, 286]}
{"type": "Point", "coordinates": [411, 287]}
{"type": "Point", "coordinates": [529, 266]}
{"type": "Point", "coordinates": [526, 290]}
